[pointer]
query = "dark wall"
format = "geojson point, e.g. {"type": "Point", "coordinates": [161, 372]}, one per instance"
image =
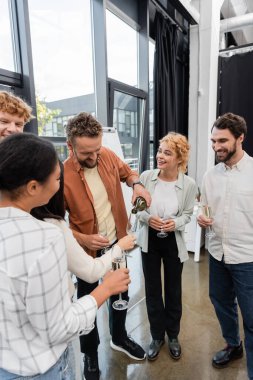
{"type": "Point", "coordinates": [182, 72]}
{"type": "Point", "coordinates": [235, 90]}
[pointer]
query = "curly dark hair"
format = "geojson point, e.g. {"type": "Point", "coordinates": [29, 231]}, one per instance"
{"type": "Point", "coordinates": [234, 123]}
{"type": "Point", "coordinates": [83, 124]}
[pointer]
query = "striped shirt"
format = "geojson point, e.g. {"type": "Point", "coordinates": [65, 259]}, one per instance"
{"type": "Point", "coordinates": [37, 318]}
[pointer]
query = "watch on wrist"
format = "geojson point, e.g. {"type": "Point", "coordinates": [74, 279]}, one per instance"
{"type": "Point", "coordinates": [137, 182]}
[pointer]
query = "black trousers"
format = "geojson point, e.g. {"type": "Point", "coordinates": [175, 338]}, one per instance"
{"type": "Point", "coordinates": [164, 316]}
{"type": "Point", "coordinates": [117, 319]}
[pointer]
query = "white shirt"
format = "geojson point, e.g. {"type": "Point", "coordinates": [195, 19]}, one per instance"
{"type": "Point", "coordinates": [229, 193]}
{"type": "Point", "coordinates": [164, 200]}
{"type": "Point", "coordinates": [37, 318]}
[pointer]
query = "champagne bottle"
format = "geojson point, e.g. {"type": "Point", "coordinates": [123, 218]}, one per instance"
{"type": "Point", "coordinates": [140, 204]}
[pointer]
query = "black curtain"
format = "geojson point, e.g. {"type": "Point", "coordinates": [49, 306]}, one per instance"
{"type": "Point", "coordinates": [236, 90]}
{"type": "Point", "coordinates": [165, 94]}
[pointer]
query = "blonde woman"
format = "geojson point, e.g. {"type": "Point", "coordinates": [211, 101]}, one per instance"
{"type": "Point", "coordinates": [161, 240]}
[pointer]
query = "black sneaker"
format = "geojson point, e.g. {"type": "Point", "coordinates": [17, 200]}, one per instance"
{"type": "Point", "coordinates": [130, 348]}
{"type": "Point", "coordinates": [91, 368]}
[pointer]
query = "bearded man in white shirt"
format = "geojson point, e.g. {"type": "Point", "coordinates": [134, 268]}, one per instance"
{"type": "Point", "coordinates": [228, 189]}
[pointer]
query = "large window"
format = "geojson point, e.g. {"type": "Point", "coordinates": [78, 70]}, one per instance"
{"type": "Point", "coordinates": [47, 52]}
{"type": "Point", "coordinates": [122, 52]}
{"type": "Point", "coordinates": [7, 56]}
{"type": "Point", "coordinates": [62, 59]}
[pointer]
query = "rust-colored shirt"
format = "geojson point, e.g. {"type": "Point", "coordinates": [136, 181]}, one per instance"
{"type": "Point", "coordinates": [79, 200]}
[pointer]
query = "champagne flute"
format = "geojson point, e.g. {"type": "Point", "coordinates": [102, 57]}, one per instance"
{"type": "Point", "coordinates": [207, 211]}
{"type": "Point", "coordinates": [131, 224]}
{"type": "Point", "coordinates": [117, 263]}
{"type": "Point", "coordinates": [161, 213]}
{"type": "Point", "coordinates": [131, 228]}
{"type": "Point", "coordinates": [103, 232]}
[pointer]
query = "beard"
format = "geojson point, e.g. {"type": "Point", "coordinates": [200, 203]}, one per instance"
{"type": "Point", "coordinates": [88, 163]}
{"type": "Point", "coordinates": [226, 154]}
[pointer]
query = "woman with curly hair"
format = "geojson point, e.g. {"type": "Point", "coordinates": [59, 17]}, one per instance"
{"type": "Point", "coordinates": [161, 240]}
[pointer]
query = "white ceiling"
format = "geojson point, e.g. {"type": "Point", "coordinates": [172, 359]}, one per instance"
{"type": "Point", "coordinates": [232, 8]}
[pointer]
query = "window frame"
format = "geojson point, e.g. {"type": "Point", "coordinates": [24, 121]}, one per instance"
{"type": "Point", "coordinates": [113, 86]}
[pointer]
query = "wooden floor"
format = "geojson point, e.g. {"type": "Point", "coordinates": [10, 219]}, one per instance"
{"type": "Point", "coordinates": [200, 335]}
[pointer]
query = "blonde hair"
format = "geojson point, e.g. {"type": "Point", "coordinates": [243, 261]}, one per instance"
{"type": "Point", "coordinates": [14, 105]}
{"type": "Point", "coordinates": [179, 144]}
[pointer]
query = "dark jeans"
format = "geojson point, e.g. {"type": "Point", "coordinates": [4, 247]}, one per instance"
{"type": "Point", "coordinates": [164, 316]}
{"type": "Point", "coordinates": [228, 282]}
{"type": "Point", "coordinates": [117, 319]}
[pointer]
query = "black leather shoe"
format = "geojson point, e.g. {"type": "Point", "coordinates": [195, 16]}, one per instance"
{"type": "Point", "coordinates": [154, 349]}
{"type": "Point", "coordinates": [91, 368]}
{"type": "Point", "coordinates": [222, 358]}
{"type": "Point", "coordinates": [174, 348]}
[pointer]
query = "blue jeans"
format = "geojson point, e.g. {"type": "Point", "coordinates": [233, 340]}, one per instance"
{"type": "Point", "coordinates": [64, 369]}
{"type": "Point", "coordinates": [229, 284]}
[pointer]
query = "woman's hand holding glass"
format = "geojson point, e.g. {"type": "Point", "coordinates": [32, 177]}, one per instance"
{"type": "Point", "coordinates": [127, 242]}
{"type": "Point", "coordinates": [155, 222]}
{"type": "Point", "coordinates": [117, 281]}
{"type": "Point", "coordinates": [161, 214]}
{"type": "Point", "coordinates": [169, 225]}
{"type": "Point", "coordinates": [162, 225]}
